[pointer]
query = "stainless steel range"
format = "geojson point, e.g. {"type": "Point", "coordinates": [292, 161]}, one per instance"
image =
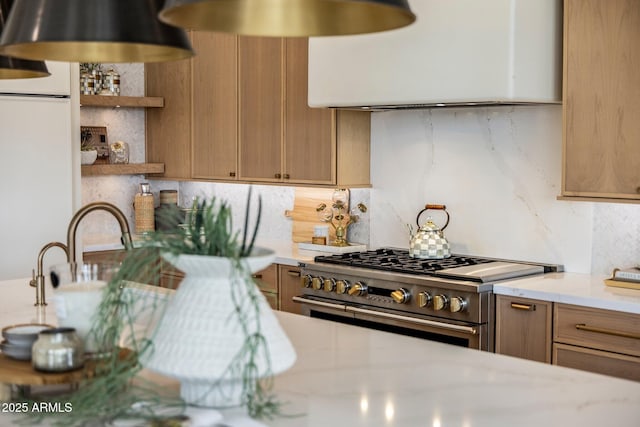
{"type": "Point", "coordinates": [448, 300]}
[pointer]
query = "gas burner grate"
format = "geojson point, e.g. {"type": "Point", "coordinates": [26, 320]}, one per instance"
{"type": "Point", "coordinates": [398, 260]}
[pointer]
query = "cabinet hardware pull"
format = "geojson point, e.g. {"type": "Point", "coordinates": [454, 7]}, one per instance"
{"type": "Point", "coordinates": [286, 176]}
{"type": "Point", "coordinates": [583, 327]}
{"type": "Point", "coordinates": [278, 176]}
{"type": "Point", "coordinates": [527, 307]}
{"type": "Point", "coordinates": [257, 276]}
{"type": "Point", "coordinates": [232, 174]}
{"type": "Point", "coordinates": [293, 273]}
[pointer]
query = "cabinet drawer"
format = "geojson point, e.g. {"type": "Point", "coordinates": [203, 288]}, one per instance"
{"type": "Point", "coordinates": [599, 329]}
{"type": "Point", "coordinates": [267, 279]}
{"type": "Point", "coordinates": [601, 362]}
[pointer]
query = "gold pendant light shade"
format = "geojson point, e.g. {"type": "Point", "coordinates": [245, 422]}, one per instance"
{"type": "Point", "coordinates": [92, 31]}
{"type": "Point", "coordinates": [288, 18]}
{"type": "Point", "coordinates": [14, 68]}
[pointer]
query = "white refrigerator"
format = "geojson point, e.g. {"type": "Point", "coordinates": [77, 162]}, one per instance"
{"type": "Point", "coordinates": [39, 168]}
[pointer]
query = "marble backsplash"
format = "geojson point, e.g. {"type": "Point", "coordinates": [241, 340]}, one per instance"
{"type": "Point", "coordinates": [497, 169]}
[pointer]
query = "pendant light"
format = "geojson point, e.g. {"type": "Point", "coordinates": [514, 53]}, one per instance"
{"type": "Point", "coordinates": [14, 68]}
{"type": "Point", "coordinates": [288, 18]}
{"type": "Point", "coordinates": [92, 31]}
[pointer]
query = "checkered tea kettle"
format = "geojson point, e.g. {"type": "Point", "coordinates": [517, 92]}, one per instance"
{"type": "Point", "coordinates": [429, 242]}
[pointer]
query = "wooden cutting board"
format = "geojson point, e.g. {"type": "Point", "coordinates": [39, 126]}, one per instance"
{"type": "Point", "coordinates": [21, 372]}
{"type": "Point", "coordinates": [304, 215]}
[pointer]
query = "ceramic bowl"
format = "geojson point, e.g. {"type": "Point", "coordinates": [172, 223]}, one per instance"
{"type": "Point", "coordinates": [15, 351]}
{"type": "Point", "coordinates": [88, 157]}
{"type": "Point", "coordinates": [23, 335]}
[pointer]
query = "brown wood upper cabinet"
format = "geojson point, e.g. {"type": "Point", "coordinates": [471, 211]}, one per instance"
{"type": "Point", "coordinates": [601, 100]}
{"type": "Point", "coordinates": [168, 129]}
{"type": "Point", "coordinates": [244, 102]}
{"type": "Point", "coordinates": [260, 67]}
{"type": "Point", "coordinates": [215, 106]}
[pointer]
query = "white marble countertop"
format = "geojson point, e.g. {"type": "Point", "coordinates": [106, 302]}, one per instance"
{"type": "Point", "coordinates": [350, 376]}
{"type": "Point", "coordinates": [573, 288]}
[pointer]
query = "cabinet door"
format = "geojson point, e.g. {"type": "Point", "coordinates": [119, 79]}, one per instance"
{"type": "Point", "coordinates": [215, 108]}
{"type": "Point", "coordinates": [602, 99]}
{"type": "Point", "coordinates": [260, 64]}
{"type": "Point", "coordinates": [523, 328]}
{"type": "Point", "coordinates": [309, 133]}
{"type": "Point", "coordinates": [289, 287]}
{"type": "Point", "coordinates": [168, 129]}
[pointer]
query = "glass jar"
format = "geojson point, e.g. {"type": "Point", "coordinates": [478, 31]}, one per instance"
{"type": "Point", "coordinates": [87, 84]}
{"type": "Point", "coordinates": [112, 81]}
{"type": "Point", "coordinates": [119, 153]}
{"type": "Point", "coordinates": [57, 350]}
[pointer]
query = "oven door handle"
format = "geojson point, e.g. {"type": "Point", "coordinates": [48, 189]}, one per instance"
{"type": "Point", "coordinates": [466, 329]}
{"type": "Point", "coordinates": [303, 300]}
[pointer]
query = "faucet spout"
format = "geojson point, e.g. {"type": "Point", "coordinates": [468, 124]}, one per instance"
{"type": "Point", "coordinates": [38, 279]}
{"type": "Point", "coordinates": [84, 211]}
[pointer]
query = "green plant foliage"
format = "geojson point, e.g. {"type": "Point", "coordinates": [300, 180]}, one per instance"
{"type": "Point", "coordinates": [127, 317]}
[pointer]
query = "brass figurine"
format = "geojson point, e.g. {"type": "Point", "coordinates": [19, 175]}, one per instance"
{"type": "Point", "coordinates": [338, 215]}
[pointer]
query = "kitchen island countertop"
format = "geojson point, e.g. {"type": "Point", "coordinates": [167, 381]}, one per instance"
{"type": "Point", "coordinates": [351, 376]}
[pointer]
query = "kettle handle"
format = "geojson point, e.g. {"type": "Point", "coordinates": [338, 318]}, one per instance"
{"type": "Point", "coordinates": [429, 207]}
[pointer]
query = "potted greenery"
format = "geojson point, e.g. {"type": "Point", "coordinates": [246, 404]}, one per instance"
{"type": "Point", "coordinates": [216, 334]}
{"type": "Point", "coordinates": [88, 153]}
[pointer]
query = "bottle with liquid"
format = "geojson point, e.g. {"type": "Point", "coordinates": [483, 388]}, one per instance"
{"type": "Point", "coordinates": [144, 206]}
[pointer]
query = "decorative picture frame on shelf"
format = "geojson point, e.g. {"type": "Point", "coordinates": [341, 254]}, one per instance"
{"type": "Point", "coordinates": [96, 136]}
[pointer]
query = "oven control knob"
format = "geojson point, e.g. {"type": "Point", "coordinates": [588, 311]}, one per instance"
{"type": "Point", "coordinates": [329, 285]}
{"type": "Point", "coordinates": [342, 286]}
{"type": "Point", "coordinates": [440, 302]}
{"type": "Point", "coordinates": [358, 288]}
{"type": "Point", "coordinates": [400, 296]}
{"type": "Point", "coordinates": [424, 299]}
{"type": "Point", "coordinates": [316, 283]}
{"type": "Point", "coordinates": [457, 304]}
{"type": "Point", "coordinates": [305, 281]}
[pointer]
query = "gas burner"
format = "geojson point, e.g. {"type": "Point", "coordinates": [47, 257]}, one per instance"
{"type": "Point", "coordinates": [398, 260]}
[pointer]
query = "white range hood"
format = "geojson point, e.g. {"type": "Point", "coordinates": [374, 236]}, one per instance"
{"type": "Point", "coordinates": [458, 52]}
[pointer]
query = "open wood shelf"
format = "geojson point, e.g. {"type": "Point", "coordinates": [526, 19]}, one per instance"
{"type": "Point", "coordinates": [121, 101]}
{"type": "Point", "coordinates": [122, 169]}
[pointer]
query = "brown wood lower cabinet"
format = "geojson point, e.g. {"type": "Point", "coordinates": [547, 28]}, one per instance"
{"type": "Point", "coordinates": [149, 275]}
{"type": "Point", "coordinates": [267, 281]}
{"type": "Point", "coordinates": [596, 340]}
{"type": "Point", "coordinates": [278, 283]}
{"type": "Point", "coordinates": [289, 287]}
{"type": "Point", "coordinates": [523, 328]}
